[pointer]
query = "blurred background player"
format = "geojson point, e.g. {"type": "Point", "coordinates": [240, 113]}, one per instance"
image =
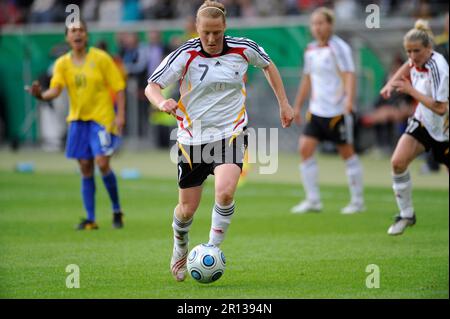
{"type": "Point", "coordinates": [329, 75]}
{"type": "Point", "coordinates": [94, 128]}
{"type": "Point", "coordinates": [212, 69]}
{"type": "Point", "coordinates": [425, 78]}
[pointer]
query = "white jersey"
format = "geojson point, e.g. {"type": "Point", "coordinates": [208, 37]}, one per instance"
{"type": "Point", "coordinates": [325, 65]}
{"type": "Point", "coordinates": [432, 81]}
{"type": "Point", "coordinates": [212, 87]}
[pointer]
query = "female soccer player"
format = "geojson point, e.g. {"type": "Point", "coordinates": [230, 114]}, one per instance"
{"type": "Point", "coordinates": [425, 78]}
{"type": "Point", "coordinates": [211, 120]}
{"type": "Point", "coordinates": [94, 128]}
{"type": "Point", "coordinates": [329, 75]}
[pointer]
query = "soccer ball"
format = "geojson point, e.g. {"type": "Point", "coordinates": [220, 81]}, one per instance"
{"type": "Point", "coordinates": [206, 263]}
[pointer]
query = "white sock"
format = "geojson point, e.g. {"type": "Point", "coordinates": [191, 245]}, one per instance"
{"type": "Point", "coordinates": [309, 173]}
{"type": "Point", "coordinates": [355, 179]}
{"type": "Point", "coordinates": [181, 233]}
{"type": "Point", "coordinates": [403, 193]}
{"type": "Point", "coordinates": [221, 219]}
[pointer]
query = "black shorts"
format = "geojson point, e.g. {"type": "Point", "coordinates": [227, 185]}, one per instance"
{"type": "Point", "coordinates": [440, 149]}
{"type": "Point", "coordinates": [196, 162]}
{"type": "Point", "coordinates": [338, 129]}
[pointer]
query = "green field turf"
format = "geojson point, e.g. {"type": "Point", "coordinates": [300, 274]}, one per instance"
{"type": "Point", "coordinates": [270, 252]}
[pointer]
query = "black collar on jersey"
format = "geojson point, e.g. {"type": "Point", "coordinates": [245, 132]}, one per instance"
{"type": "Point", "coordinates": [224, 50]}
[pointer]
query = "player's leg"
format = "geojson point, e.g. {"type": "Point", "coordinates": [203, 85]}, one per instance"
{"type": "Point", "coordinates": [188, 202]}
{"type": "Point", "coordinates": [103, 145]}
{"type": "Point", "coordinates": [77, 147]}
{"type": "Point", "coordinates": [309, 172]}
{"type": "Point", "coordinates": [408, 148]}
{"type": "Point", "coordinates": [88, 193]}
{"type": "Point", "coordinates": [110, 183]}
{"type": "Point", "coordinates": [226, 180]}
{"type": "Point", "coordinates": [354, 173]}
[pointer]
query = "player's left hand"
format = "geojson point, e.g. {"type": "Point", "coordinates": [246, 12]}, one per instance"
{"type": "Point", "coordinates": [403, 85]}
{"type": "Point", "coordinates": [286, 115]}
{"type": "Point", "coordinates": [119, 121]}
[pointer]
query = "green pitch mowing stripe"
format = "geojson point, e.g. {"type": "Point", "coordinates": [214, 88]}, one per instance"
{"type": "Point", "coordinates": [270, 252]}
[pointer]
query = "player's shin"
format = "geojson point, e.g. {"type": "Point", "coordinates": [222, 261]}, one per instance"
{"type": "Point", "coordinates": [88, 194]}
{"type": "Point", "coordinates": [355, 179]}
{"type": "Point", "coordinates": [181, 232]}
{"type": "Point", "coordinates": [403, 193]}
{"type": "Point", "coordinates": [310, 174]}
{"type": "Point", "coordinates": [221, 219]}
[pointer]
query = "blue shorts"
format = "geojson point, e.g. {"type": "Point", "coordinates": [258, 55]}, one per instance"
{"type": "Point", "coordinates": [88, 139]}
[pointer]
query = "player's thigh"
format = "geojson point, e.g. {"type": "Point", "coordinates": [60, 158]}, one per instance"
{"type": "Point", "coordinates": [189, 200]}
{"type": "Point", "coordinates": [307, 146]}
{"type": "Point", "coordinates": [407, 149]}
{"type": "Point", "coordinates": [226, 180]}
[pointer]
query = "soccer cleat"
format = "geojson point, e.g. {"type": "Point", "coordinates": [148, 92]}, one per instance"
{"type": "Point", "coordinates": [178, 264]}
{"type": "Point", "coordinates": [398, 227]}
{"type": "Point", "coordinates": [86, 225]}
{"type": "Point", "coordinates": [118, 220]}
{"type": "Point", "coordinates": [353, 208]}
{"type": "Point", "coordinates": [306, 206]}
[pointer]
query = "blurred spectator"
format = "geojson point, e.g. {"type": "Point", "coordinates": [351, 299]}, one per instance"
{"type": "Point", "coordinates": [346, 9]}
{"type": "Point", "coordinates": [154, 51]}
{"type": "Point", "coordinates": [14, 11]}
{"type": "Point", "coordinates": [442, 40]}
{"type": "Point", "coordinates": [89, 11]}
{"type": "Point", "coordinates": [130, 10]}
{"type": "Point", "coordinates": [158, 9]}
{"type": "Point", "coordinates": [233, 8]}
{"type": "Point", "coordinates": [132, 53]}
{"type": "Point", "coordinates": [109, 12]}
{"type": "Point", "coordinates": [42, 11]}
{"type": "Point", "coordinates": [247, 9]}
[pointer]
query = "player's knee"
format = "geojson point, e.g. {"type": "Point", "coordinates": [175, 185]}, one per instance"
{"type": "Point", "coordinates": [305, 153]}
{"type": "Point", "coordinates": [187, 209]}
{"type": "Point", "coordinates": [103, 165]}
{"type": "Point", "coordinates": [398, 165]}
{"type": "Point", "coordinates": [87, 168]}
{"type": "Point", "coordinates": [224, 196]}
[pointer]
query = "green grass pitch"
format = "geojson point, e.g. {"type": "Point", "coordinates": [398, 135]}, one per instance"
{"type": "Point", "coordinates": [270, 252]}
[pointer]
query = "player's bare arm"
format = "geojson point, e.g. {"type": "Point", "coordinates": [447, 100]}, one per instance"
{"type": "Point", "coordinates": [387, 89]}
{"type": "Point", "coordinates": [274, 79]}
{"type": "Point", "coordinates": [404, 86]}
{"type": "Point", "coordinates": [350, 90]}
{"type": "Point", "coordinates": [36, 90]}
{"type": "Point", "coordinates": [303, 93]}
{"type": "Point", "coordinates": [153, 93]}
{"type": "Point", "coordinates": [120, 116]}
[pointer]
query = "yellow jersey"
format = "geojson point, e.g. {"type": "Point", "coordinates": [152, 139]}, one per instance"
{"type": "Point", "coordinates": [89, 87]}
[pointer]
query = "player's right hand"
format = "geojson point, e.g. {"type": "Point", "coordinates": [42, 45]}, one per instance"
{"type": "Point", "coordinates": [169, 106]}
{"type": "Point", "coordinates": [386, 91]}
{"type": "Point", "coordinates": [35, 89]}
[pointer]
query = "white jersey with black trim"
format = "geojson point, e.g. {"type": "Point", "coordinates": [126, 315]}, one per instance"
{"type": "Point", "coordinates": [432, 81]}
{"type": "Point", "coordinates": [325, 65]}
{"type": "Point", "coordinates": [212, 102]}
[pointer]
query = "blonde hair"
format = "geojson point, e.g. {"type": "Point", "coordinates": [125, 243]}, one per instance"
{"type": "Point", "coordinates": [212, 9]}
{"type": "Point", "coordinates": [420, 33]}
{"type": "Point", "coordinates": [326, 12]}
